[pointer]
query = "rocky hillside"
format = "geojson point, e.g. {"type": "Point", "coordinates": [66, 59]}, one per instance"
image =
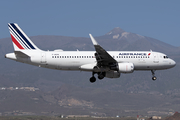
{"type": "Point", "coordinates": [130, 94]}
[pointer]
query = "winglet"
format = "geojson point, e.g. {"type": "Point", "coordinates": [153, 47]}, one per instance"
{"type": "Point", "coordinates": [93, 40]}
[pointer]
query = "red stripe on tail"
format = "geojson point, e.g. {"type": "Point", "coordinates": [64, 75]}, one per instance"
{"type": "Point", "coordinates": [16, 42]}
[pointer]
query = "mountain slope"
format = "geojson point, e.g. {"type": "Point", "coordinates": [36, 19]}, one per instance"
{"type": "Point", "coordinates": [117, 39]}
{"type": "Point", "coordinates": [136, 87]}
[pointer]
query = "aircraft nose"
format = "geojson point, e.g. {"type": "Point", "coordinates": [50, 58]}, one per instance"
{"type": "Point", "coordinates": [173, 63]}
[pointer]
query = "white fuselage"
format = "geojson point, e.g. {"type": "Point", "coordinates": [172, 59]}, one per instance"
{"type": "Point", "coordinates": [106, 64]}
{"type": "Point", "coordinates": [73, 60]}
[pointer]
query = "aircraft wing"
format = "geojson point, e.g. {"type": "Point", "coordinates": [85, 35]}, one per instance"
{"type": "Point", "coordinates": [102, 56]}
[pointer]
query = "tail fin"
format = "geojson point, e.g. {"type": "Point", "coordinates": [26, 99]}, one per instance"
{"type": "Point", "coordinates": [20, 40]}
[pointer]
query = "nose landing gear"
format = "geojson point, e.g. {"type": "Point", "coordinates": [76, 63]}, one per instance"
{"type": "Point", "coordinates": [153, 74]}
{"type": "Point", "coordinates": [154, 78]}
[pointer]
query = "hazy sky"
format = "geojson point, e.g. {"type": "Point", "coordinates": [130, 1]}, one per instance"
{"type": "Point", "coordinates": [158, 19]}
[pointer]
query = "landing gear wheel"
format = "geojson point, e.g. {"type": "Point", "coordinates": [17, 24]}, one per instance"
{"type": "Point", "coordinates": [92, 79]}
{"type": "Point", "coordinates": [154, 78]}
{"type": "Point", "coordinates": [100, 76]}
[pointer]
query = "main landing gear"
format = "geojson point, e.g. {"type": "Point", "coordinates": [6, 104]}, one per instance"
{"type": "Point", "coordinates": [92, 79]}
{"type": "Point", "coordinates": [100, 76]}
{"type": "Point", "coordinates": [153, 74]}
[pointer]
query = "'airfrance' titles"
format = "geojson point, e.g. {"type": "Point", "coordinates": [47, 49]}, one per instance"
{"type": "Point", "coordinates": [143, 54]}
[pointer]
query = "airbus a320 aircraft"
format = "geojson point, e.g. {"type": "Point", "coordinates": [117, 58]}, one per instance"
{"type": "Point", "coordinates": [104, 63]}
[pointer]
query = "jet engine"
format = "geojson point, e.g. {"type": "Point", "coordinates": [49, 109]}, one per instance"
{"type": "Point", "coordinates": [126, 67]}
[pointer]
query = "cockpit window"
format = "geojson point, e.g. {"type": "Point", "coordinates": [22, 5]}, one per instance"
{"type": "Point", "coordinates": [165, 57]}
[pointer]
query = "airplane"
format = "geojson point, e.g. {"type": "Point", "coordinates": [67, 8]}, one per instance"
{"type": "Point", "coordinates": [104, 63]}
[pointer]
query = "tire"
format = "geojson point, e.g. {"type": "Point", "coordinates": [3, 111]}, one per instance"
{"type": "Point", "coordinates": [92, 79]}
{"type": "Point", "coordinates": [154, 78]}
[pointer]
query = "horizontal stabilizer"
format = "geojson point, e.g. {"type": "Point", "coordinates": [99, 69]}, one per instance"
{"type": "Point", "coordinates": [21, 54]}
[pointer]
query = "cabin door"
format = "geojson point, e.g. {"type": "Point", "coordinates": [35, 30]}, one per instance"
{"type": "Point", "coordinates": [155, 59]}
{"type": "Point", "coordinates": [43, 57]}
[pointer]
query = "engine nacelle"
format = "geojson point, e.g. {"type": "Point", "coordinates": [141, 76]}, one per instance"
{"type": "Point", "coordinates": [112, 74]}
{"type": "Point", "coordinates": [126, 67]}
